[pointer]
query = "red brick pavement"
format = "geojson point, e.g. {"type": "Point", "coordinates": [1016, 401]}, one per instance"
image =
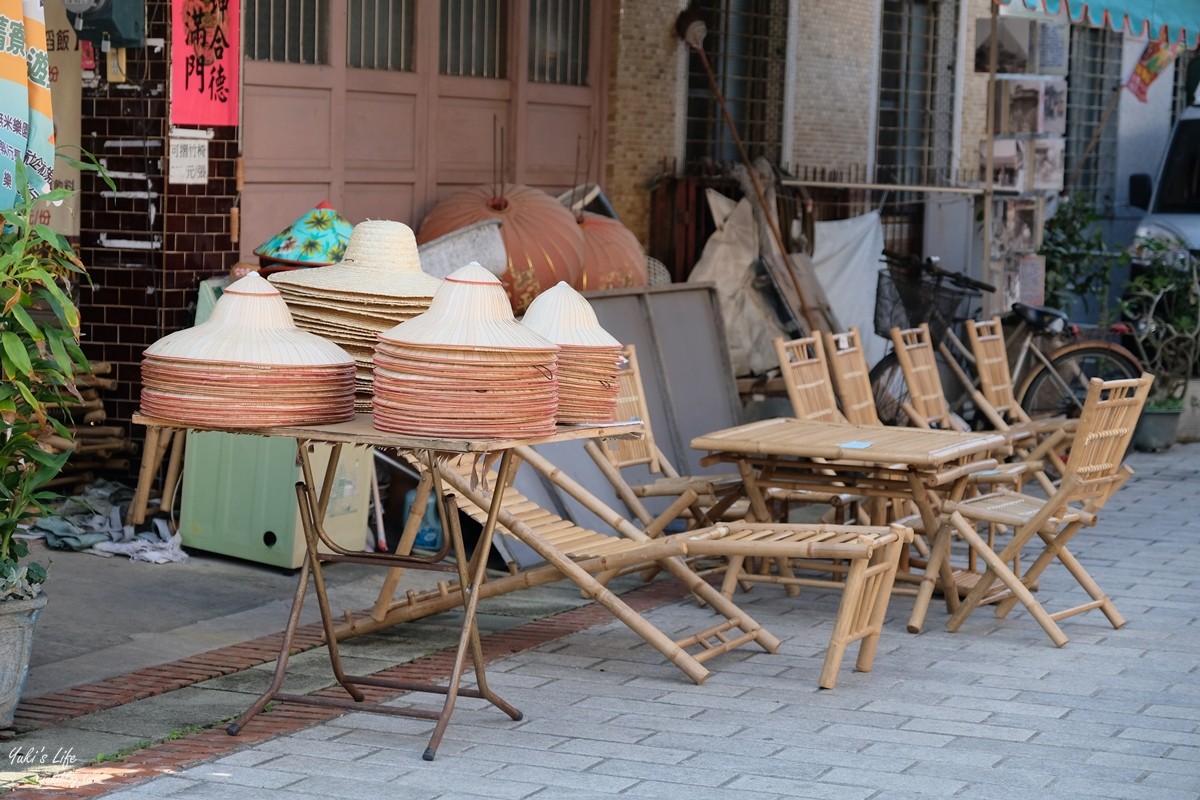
{"type": "Point", "coordinates": [173, 756]}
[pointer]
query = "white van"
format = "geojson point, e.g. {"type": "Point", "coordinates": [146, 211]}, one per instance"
{"type": "Point", "coordinates": [1173, 201]}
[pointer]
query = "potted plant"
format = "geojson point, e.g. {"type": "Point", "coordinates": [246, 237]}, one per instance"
{"type": "Point", "coordinates": [1078, 261]}
{"type": "Point", "coordinates": [1162, 305]}
{"type": "Point", "coordinates": [39, 358]}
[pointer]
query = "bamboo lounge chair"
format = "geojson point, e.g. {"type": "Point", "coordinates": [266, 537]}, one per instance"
{"type": "Point", "coordinates": [867, 556]}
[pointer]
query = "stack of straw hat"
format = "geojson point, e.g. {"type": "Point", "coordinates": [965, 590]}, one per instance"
{"type": "Point", "coordinates": [247, 366]}
{"type": "Point", "coordinates": [377, 285]}
{"type": "Point", "coordinates": [466, 367]}
{"type": "Point", "coordinates": [589, 357]}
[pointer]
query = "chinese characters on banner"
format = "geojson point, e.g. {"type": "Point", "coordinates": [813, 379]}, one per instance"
{"type": "Point", "coordinates": [1157, 56]}
{"type": "Point", "coordinates": [66, 86]}
{"type": "Point", "coordinates": [204, 62]}
{"type": "Point", "coordinates": [26, 119]}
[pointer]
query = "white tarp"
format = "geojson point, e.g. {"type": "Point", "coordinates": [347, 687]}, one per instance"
{"type": "Point", "coordinates": [846, 257]}
{"type": "Point", "coordinates": [728, 262]}
{"type": "Point", "coordinates": [846, 261]}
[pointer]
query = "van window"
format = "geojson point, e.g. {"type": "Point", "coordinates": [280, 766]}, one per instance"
{"type": "Point", "coordinates": [1180, 189]}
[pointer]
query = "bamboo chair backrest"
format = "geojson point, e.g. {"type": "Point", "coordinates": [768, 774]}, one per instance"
{"type": "Point", "coordinates": [851, 378]}
{"type": "Point", "coordinates": [991, 363]}
{"type": "Point", "coordinates": [806, 375]}
{"type": "Point", "coordinates": [914, 350]}
{"type": "Point", "coordinates": [631, 404]}
{"type": "Point", "coordinates": [1106, 425]}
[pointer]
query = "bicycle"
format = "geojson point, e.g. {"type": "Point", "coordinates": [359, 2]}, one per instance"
{"type": "Point", "coordinates": [1050, 362]}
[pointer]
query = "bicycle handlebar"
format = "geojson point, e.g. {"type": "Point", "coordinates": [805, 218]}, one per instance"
{"type": "Point", "coordinates": [931, 266]}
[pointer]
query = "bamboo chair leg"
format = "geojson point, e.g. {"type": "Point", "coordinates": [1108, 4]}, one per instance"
{"type": "Point", "coordinates": [404, 546]}
{"type": "Point", "coordinates": [880, 595]}
{"type": "Point", "coordinates": [732, 570]}
{"type": "Point", "coordinates": [784, 567]}
{"type": "Point", "coordinates": [998, 569]}
{"type": "Point", "coordinates": [843, 626]}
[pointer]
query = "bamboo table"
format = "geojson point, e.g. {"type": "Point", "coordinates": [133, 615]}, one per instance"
{"type": "Point", "coordinates": [919, 464]}
{"type": "Point", "coordinates": [313, 502]}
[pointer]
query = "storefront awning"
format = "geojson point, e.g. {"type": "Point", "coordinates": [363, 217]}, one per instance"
{"type": "Point", "coordinates": [1174, 20]}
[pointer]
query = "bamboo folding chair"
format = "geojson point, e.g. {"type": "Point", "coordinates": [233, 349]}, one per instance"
{"type": "Point", "coordinates": [928, 408]}
{"type": "Point", "coordinates": [851, 377]}
{"type": "Point", "coordinates": [995, 383]}
{"type": "Point", "coordinates": [719, 497]}
{"type": "Point", "coordinates": [1093, 472]}
{"type": "Point", "coordinates": [806, 377]}
{"type": "Point", "coordinates": [866, 557]}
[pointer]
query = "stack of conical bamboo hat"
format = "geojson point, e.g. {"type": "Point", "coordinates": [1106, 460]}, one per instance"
{"type": "Point", "coordinates": [588, 357]}
{"type": "Point", "coordinates": [466, 367]}
{"type": "Point", "coordinates": [377, 285]}
{"type": "Point", "coordinates": [247, 366]}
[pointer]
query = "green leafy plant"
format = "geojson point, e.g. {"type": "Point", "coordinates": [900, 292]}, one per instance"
{"type": "Point", "coordinates": [1162, 305]}
{"type": "Point", "coordinates": [1078, 262]}
{"type": "Point", "coordinates": [39, 358]}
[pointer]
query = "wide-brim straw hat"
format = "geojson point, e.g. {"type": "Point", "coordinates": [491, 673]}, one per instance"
{"type": "Point", "coordinates": [565, 317]}
{"type": "Point", "coordinates": [381, 259]}
{"type": "Point", "coordinates": [249, 324]}
{"type": "Point", "coordinates": [470, 310]}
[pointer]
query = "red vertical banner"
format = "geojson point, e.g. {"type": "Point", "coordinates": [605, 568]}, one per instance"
{"type": "Point", "coordinates": [1157, 56]}
{"type": "Point", "coordinates": [205, 59]}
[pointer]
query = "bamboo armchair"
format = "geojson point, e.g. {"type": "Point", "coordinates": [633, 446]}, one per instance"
{"type": "Point", "coordinates": [1093, 473]}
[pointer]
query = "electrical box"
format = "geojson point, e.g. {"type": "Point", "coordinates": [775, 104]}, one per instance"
{"type": "Point", "coordinates": [239, 497]}
{"type": "Point", "coordinates": [120, 23]}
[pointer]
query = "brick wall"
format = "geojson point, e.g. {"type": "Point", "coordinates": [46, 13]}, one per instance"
{"type": "Point", "coordinates": [148, 245]}
{"type": "Point", "coordinates": [835, 75]}
{"type": "Point", "coordinates": [642, 100]}
{"type": "Point", "coordinates": [974, 104]}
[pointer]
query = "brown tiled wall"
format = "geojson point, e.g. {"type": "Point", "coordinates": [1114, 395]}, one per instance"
{"type": "Point", "coordinates": [139, 294]}
{"type": "Point", "coordinates": [642, 105]}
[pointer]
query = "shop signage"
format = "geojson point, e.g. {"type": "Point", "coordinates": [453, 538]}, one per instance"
{"type": "Point", "coordinates": [204, 62]}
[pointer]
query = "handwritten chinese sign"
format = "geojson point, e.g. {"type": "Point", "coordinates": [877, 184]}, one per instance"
{"type": "Point", "coordinates": [66, 86]}
{"type": "Point", "coordinates": [204, 62]}
{"type": "Point", "coordinates": [189, 161]}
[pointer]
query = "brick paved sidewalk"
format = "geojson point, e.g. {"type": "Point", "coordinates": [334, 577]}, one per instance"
{"type": "Point", "coordinates": [994, 710]}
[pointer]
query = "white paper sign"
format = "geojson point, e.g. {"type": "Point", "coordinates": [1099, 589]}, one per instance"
{"type": "Point", "coordinates": [189, 161]}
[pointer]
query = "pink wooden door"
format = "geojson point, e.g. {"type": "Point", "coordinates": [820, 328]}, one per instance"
{"type": "Point", "coordinates": [386, 143]}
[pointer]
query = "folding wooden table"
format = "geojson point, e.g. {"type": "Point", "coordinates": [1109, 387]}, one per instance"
{"type": "Point", "coordinates": [926, 466]}
{"type": "Point", "coordinates": [313, 500]}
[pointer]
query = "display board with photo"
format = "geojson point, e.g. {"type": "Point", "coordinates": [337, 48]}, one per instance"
{"type": "Point", "coordinates": [1008, 163]}
{"type": "Point", "coordinates": [1054, 106]}
{"type": "Point", "coordinates": [1047, 164]}
{"type": "Point", "coordinates": [1019, 105]}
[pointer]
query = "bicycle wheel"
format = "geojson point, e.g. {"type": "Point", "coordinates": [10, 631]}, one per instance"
{"type": "Point", "coordinates": [891, 390]}
{"type": "Point", "coordinates": [1060, 389]}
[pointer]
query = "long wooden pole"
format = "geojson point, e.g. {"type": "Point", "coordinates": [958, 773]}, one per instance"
{"type": "Point", "coordinates": [695, 39]}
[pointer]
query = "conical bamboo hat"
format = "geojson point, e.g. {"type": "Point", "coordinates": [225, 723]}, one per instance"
{"type": "Point", "coordinates": [381, 260]}
{"type": "Point", "coordinates": [249, 324]}
{"type": "Point", "coordinates": [470, 310]}
{"type": "Point", "coordinates": [565, 317]}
